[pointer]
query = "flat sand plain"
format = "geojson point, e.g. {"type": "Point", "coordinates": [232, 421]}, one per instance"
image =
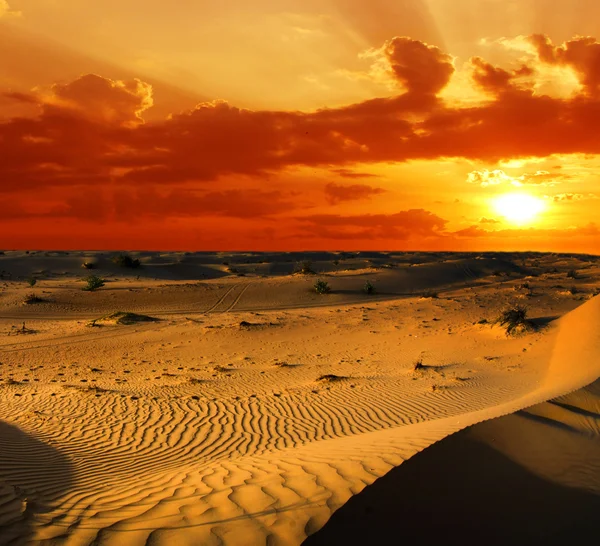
{"type": "Point", "coordinates": [229, 403]}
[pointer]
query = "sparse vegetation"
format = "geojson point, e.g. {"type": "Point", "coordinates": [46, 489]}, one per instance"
{"type": "Point", "coordinates": [124, 260]}
{"type": "Point", "coordinates": [322, 287]}
{"type": "Point", "coordinates": [573, 290]}
{"type": "Point", "coordinates": [331, 377]}
{"type": "Point", "coordinates": [514, 319]}
{"type": "Point", "coordinates": [369, 288]}
{"type": "Point", "coordinates": [572, 274]}
{"type": "Point", "coordinates": [418, 365]}
{"type": "Point", "coordinates": [93, 283]}
{"type": "Point", "coordinates": [32, 281]}
{"type": "Point", "coordinates": [305, 268]}
{"type": "Point", "coordinates": [88, 265]}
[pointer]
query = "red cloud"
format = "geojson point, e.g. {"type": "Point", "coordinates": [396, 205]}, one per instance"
{"type": "Point", "coordinates": [338, 194]}
{"type": "Point", "coordinates": [90, 134]}
{"type": "Point", "coordinates": [582, 54]}
{"type": "Point", "coordinates": [422, 69]}
{"type": "Point", "coordinates": [496, 80]}
{"type": "Point", "coordinates": [399, 226]}
{"type": "Point", "coordinates": [90, 130]}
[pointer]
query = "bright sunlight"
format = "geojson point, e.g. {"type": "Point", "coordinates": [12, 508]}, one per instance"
{"type": "Point", "coordinates": [519, 208]}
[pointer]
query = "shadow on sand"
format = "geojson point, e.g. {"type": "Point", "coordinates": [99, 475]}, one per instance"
{"type": "Point", "coordinates": [477, 486]}
{"type": "Point", "coordinates": [33, 475]}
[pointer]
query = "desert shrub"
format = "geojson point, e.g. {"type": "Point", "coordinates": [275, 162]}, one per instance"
{"type": "Point", "coordinates": [88, 265]}
{"type": "Point", "coordinates": [573, 290]}
{"type": "Point", "coordinates": [369, 288]}
{"type": "Point", "coordinates": [32, 281]}
{"type": "Point", "coordinates": [93, 283]}
{"type": "Point", "coordinates": [305, 268]}
{"type": "Point", "coordinates": [514, 319]}
{"type": "Point", "coordinates": [124, 260]}
{"type": "Point", "coordinates": [32, 298]}
{"type": "Point", "coordinates": [322, 287]}
{"type": "Point", "coordinates": [572, 274]}
{"type": "Point", "coordinates": [336, 262]}
{"type": "Point", "coordinates": [430, 294]}
{"type": "Point", "coordinates": [418, 365]}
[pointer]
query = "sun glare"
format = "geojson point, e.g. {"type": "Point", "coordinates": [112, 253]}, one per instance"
{"type": "Point", "coordinates": [519, 208]}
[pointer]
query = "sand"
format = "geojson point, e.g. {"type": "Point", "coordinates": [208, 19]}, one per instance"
{"type": "Point", "coordinates": [216, 399]}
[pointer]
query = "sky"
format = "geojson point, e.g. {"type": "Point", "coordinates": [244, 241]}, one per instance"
{"type": "Point", "coordinates": [300, 125]}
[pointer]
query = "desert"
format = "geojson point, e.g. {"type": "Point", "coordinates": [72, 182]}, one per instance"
{"type": "Point", "coordinates": [218, 398]}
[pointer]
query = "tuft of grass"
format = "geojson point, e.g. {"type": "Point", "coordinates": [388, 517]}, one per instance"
{"type": "Point", "coordinates": [32, 298]}
{"type": "Point", "coordinates": [418, 365]}
{"type": "Point", "coordinates": [369, 288]}
{"type": "Point", "coordinates": [32, 281]}
{"type": "Point", "coordinates": [305, 268]}
{"type": "Point", "coordinates": [93, 283]}
{"type": "Point", "coordinates": [331, 377]}
{"type": "Point", "coordinates": [322, 287]}
{"type": "Point", "coordinates": [514, 319]}
{"type": "Point", "coordinates": [124, 260]}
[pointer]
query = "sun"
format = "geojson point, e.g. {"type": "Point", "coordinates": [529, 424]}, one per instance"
{"type": "Point", "coordinates": [519, 208]}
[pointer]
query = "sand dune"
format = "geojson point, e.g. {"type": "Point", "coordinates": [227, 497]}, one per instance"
{"type": "Point", "coordinates": [254, 409]}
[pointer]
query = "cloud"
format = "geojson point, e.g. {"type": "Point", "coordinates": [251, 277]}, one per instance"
{"type": "Point", "coordinates": [348, 173]}
{"type": "Point", "coordinates": [496, 80]}
{"type": "Point", "coordinates": [422, 69]}
{"type": "Point", "coordinates": [489, 221]}
{"type": "Point", "coordinates": [89, 147]}
{"type": "Point", "coordinates": [496, 177]}
{"type": "Point", "coordinates": [337, 193]}
{"type": "Point", "coordinates": [91, 129]}
{"type": "Point", "coordinates": [581, 53]}
{"type": "Point", "coordinates": [137, 205]}
{"type": "Point", "coordinates": [589, 230]}
{"type": "Point", "coordinates": [573, 197]}
{"type": "Point", "coordinates": [404, 225]}
{"type": "Point", "coordinates": [5, 10]}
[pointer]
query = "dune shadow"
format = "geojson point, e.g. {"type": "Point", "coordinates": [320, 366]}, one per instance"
{"type": "Point", "coordinates": [463, 491]}
{"type": "Point", "coordinates": [33, 476]}
{"type": "Point", "coordinates": [542, 322]}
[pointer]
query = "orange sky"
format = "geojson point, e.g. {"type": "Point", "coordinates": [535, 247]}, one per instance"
{"type": "Point", "coordinates": [300, 124]}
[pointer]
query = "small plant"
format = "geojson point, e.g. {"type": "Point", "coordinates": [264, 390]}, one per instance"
{"type": "Point", "coordinates": [32, 298]}
{"type": "Point", "coordinates": [305, 268]}
{"type": "Point", "coordinates": [573, 290]}
{"type": "Point", "coordinates": [369, 288]}
{"type": "Point", "coordinates": [124, 260]}
{"type": "Point", "coordinates": [336, 262]}
{"type": "Point", "coordinates": [572, 274]}
{"type": "Point", "coordinates": [93, 283]}
{"type": "Point", "coordinates": [430, 294]}
{"type": "Point", "coordinates": [515, 320]}
{"type": "Point", "coordinates": [418, 365]}
{"type": "Point", "coordinates": [322, 287]}
{"type": "Point", "coordinates": [88, 265]}
{"type": "Point", "coordinates": [32, 281]}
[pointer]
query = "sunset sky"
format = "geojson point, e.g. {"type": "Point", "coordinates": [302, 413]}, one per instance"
{"type": "Point", "coordinates": [300, 124]}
